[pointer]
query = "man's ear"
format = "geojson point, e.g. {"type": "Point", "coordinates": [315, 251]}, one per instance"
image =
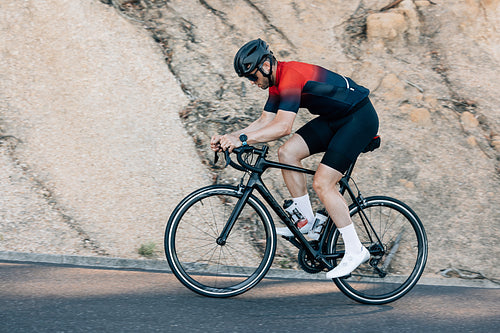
{"type": "Point", "coordinates": [266, 66]}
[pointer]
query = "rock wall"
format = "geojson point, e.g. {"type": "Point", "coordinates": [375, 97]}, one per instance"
{"type": "Point", "coordinates": [431, 68]}
{"type": "Point", "coordinates": [91, 136]}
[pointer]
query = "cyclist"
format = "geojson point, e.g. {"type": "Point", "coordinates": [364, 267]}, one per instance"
{"type": "Point", "coordinates": [346, 123]}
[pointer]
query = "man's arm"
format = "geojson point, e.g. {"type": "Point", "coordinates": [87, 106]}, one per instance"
{"type": "Point", "coordinates": [217, 142]}
{"type": "Point", "coordinates": [264, 119]}
{"type": "Point", "coordinates": [279, 126]}
{"type": "Point", "coordinates": [267, 128]}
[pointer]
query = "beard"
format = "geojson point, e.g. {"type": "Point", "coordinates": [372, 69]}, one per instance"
{"type": "Point", "coordinates": [265, 84]}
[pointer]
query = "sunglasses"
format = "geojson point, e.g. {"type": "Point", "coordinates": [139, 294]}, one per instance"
{"type": "Point", "coordinates": [253, 77]}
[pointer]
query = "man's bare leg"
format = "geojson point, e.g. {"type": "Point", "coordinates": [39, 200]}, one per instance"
{"type": "Point", "coordinates": [292, 153]}
{"type": "Point", "coordinates": [325, 184]}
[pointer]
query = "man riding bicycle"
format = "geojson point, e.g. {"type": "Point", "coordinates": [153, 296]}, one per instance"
{"type": "Point", "coordinates": [346, 123]}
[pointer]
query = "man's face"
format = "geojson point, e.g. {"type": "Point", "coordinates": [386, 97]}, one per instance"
{"type": "Point", "coordinates": [262, 82]}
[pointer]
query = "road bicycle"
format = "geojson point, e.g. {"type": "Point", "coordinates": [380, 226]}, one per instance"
{"type": "Point", "coordinates": [220, 240]}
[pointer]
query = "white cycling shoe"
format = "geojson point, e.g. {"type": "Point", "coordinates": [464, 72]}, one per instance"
{"type": "Point", "coordinates": [287, 233]}
{"type": "Point", "coordinates": [348, 264]}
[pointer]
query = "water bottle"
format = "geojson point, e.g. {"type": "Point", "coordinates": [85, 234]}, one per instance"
{"type": "Point", "coordinates": [291, 208]}
{"type": "Point", "coordinates": [319, 223]}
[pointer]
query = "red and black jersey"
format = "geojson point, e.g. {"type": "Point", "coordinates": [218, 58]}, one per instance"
{"type": "Point", "coordinates": [322, 92]}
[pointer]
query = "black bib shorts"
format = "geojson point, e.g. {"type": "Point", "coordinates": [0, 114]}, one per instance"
{"type": "Point", "coordinates": [342, 139]}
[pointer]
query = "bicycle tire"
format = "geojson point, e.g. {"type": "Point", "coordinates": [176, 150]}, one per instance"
{"type": "Point", "coordinates": [402, 261]}
{"type": "Point", "coordinates": [206, 267]}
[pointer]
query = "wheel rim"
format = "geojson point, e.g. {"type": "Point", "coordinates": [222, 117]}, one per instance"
{"type": "Point", "coordinates": [402, 259]}
{"type": "Point", "coordinates": [220, 270]}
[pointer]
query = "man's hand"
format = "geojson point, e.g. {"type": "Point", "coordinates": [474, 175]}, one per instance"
{"type": "Point", "coordinates": [228, 142]}
{"type": "Point", "coordinates": [215, 143]}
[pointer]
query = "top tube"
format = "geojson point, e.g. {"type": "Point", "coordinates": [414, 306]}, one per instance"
{"type": "Point", "coordinates": [261, 164]}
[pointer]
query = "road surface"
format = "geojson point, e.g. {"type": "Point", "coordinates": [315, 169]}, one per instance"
{"type": "Point", "coordinates": [37, 297]}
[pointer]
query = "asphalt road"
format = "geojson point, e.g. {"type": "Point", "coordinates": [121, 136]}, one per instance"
{"type": "Point", "coordinates": [55, 298]}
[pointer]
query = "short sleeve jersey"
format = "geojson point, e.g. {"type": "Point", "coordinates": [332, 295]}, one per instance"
{"type": "Point", "coordinates": [322, 92]}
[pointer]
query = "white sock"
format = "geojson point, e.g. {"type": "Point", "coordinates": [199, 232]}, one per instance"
{"type": "Point", "coordinates": [351, 240]}
{"type": "Point", "coordinates": [304, 205]}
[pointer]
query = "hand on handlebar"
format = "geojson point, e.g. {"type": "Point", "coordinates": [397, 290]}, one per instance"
{"type": "Point", "coordinates": [224, 142]}
{"type": "Point", "coordinates": [242, 163]}
{"type": "Point", "coordinates": [215, 143]}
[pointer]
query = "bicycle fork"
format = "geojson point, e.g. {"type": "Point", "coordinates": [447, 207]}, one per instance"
{"type": "Point", "coordinates": [246, 192]}
{"type": "Point", "coordinates": [221, 240]}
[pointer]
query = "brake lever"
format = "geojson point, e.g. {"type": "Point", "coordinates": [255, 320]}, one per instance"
{"type": "Point", "coordinates": [228, 159]}
{"type": "Point", "coordinates": [216, 157]}
{"type": "Point", "coordinates": [226, 156]}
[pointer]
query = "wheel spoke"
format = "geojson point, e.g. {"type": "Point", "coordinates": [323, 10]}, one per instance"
{"type": "Point", "coordinates": [396, 267]}
{"type": "Point", "coordinates": [392, 252]}
{"type": "Point", "coordinates": [217, 270]}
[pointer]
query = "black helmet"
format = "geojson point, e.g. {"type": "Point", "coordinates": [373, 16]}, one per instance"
{"type": "Point", "coordinates": [250, 56]}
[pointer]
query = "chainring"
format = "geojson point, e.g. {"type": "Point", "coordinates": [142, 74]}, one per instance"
{"type": "Point", "coordinates": [307, 264]}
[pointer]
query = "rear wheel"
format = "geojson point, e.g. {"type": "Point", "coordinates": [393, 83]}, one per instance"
{"type": "Point", "coordinates": [200, 262]}
{"type": "Point", "coordinates": [396, 239]}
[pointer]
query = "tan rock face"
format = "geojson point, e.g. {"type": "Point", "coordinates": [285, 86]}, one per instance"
{"type": "Point", "coordinates": [495, 142]}
{"type": "Point", "coordinates": [88, 90]}
{"type": "Point", "coordinates": [393, 89]}
{"type": "Point", "coordinates": [398, 25]}
{"type": "Point", "coordinates": [96, 110]}
{"type": "Point", "coordinates": [469, 120]}
{"type": "Point", "coordinates": [388, 26]}
{"type": "Point", "coordinates": [420, 116]}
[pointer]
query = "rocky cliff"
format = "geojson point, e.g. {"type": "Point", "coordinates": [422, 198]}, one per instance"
{"type": "Point", "coordinates": [432, 69]}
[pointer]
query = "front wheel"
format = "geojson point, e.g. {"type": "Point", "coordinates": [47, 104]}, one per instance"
{"type": "Point", "coordinates": [204, 265]}
{"type": "Point", "coordinates": [397, 242]}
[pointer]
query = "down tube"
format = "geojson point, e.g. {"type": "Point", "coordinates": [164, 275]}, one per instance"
{"type": "Point", "coordinates": [302, 242]}
{"type": "Point", "coordinates": [262, 189]}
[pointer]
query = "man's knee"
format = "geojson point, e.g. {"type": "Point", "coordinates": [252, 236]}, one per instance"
{"type": "Point", "coordinates": [284, 153]}
{"type": "Point", "coordinates": [321, 186]}
{"type": "Point", "coordinates": [294, 150]}
{"type": "Point", "coordinates": [325, 180]}
{"type": "Point", "coordinates": [288, 153]}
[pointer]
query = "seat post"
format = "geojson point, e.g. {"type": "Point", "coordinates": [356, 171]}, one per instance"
{"type": "Point", "coordinates": [348, 173]}
{"type": "Point", "coordinates": [344, 181]}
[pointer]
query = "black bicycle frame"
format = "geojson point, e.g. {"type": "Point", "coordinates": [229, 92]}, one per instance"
{"type": "Point", "coordinates": [255, 182]}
